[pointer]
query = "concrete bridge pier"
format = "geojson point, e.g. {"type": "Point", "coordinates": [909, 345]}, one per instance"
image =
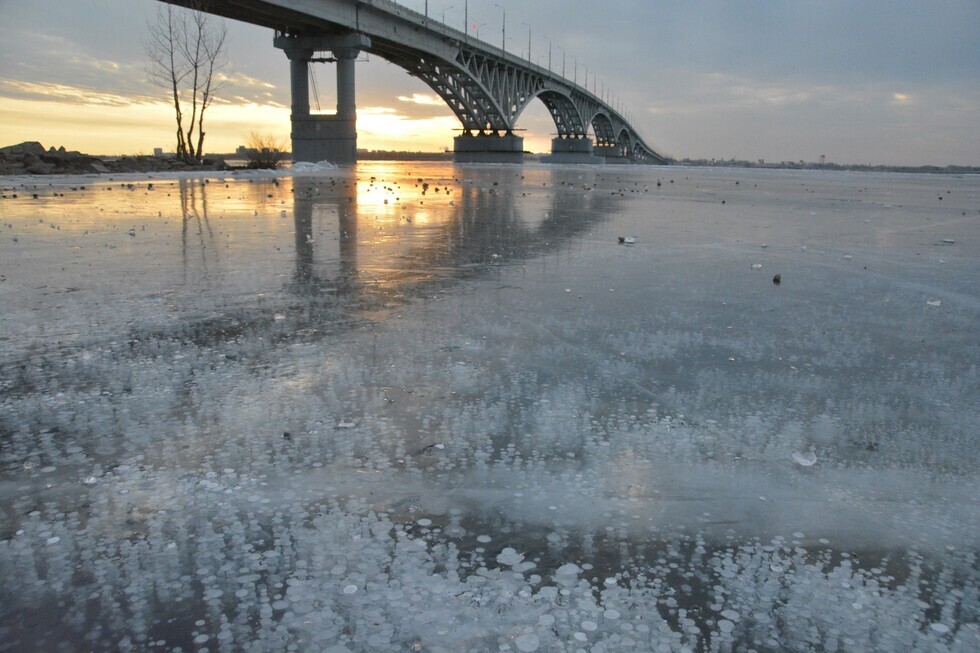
{"type": "Point", "coordinates": [323, 137]}
{"type": "Point", "coordinates": [488, 148]}
{"type": "Point", "coordinates": [573, 149]}
{"type": "Point", "coordinates": [611, 154]}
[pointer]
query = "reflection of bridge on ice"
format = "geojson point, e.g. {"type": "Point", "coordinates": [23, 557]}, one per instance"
{"type": "Point", "coordinates": [486, 87]}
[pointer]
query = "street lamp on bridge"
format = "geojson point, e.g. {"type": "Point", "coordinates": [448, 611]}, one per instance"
{"type": "Point", "coordinates": [528, 40]}
{"type": "Point", "coordinates": [503, 29]}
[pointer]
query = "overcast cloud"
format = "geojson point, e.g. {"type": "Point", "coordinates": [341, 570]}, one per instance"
{"type": "Point", "coordinates": [895, 82]}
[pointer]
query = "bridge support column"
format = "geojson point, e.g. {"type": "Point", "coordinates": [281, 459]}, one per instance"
{"type": "Point", "coordinates": [611, 154]}
{"type": "Point", "coordinates": [572, 150]}
{"type": "Point", "coordinates": [488, 148]}
{"type": "Point", "coordinates": [323, 137]}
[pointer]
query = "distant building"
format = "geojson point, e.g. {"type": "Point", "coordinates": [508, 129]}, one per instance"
{"type": "Point", "coordinates": [823, 159]}
{"type": "Point", "coordinates": [158, 152]}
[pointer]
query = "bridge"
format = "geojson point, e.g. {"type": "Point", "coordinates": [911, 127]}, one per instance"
{"type": "Point", "coordinates": [485, 86]}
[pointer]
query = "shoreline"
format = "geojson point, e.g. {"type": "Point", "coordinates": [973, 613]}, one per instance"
{"type": "Point", "coordinates": [31, 159]}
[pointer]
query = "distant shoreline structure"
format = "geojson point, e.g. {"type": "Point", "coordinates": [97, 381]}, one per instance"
{"type": "Point", "coordinates": [31, 158]}
{"type": "Point", "coordinates": [839, 167]}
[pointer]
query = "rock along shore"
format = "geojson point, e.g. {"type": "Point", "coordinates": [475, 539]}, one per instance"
{"type": "Point", "coordinates": [30, 158]}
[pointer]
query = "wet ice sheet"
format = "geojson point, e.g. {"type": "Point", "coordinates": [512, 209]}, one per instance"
{"type": "Point", "coordinates": [443, 408]}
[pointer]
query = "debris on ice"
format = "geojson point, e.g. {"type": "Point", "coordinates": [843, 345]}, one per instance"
{"type": "Point", "coordinates": [806, 459]}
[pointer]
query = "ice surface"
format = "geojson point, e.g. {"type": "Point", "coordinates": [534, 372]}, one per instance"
{"type": "Point", "coordinates": [357, 410]}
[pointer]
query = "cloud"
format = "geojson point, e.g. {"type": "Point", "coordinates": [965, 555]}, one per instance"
{"type": "Point", "coordinates": [99, 65]}
{"type": "Point", "coordinates": [243, 80]}
{"type": "Point", "coordinates": [424, 99]}
{"type": "Point", "coordinates": [717, 115]}
{"type": "Point", "coordinates": [65, 93]}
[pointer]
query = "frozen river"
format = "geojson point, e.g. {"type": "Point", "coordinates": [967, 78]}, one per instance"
{"type": "Point", "coordinates": [419, 407]}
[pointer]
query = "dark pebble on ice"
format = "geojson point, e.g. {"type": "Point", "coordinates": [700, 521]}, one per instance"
{"type": "Point", "coordinates": [778, 279]}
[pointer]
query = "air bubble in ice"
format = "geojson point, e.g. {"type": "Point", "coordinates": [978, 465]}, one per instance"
{"type": "Point", "coordinates": [528, 642]}
{"type": "Point", "coordinates": [509, 557]}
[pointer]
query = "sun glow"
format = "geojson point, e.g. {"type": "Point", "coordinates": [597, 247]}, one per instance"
{"type": "Point", "coordinates": [108, 126]}
{"type": "Point", "coordinates": [382, 128]}
{"type": "Point", "coordinates": [103, 123]}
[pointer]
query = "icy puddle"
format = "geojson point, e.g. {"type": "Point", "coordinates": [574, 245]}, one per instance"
{"type": "Point", "coordinates": [418, 407]}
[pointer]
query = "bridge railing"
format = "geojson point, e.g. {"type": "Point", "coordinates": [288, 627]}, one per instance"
{"type": "Point", "coordinates": [471, 41]}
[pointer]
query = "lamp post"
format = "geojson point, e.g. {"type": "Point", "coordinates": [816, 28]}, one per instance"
{"type": "Point", "coordinates": [503, 29]}
{"type": "Point", "coordinates": [549, 52]}
{"type": "Point", "coordinates": [528, 41]}
{"type": "Point", "coordinates": [444, 9]}
{"type": "Point", "coordinates": [562, 60]}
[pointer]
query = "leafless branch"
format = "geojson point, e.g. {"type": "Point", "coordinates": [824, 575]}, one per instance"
{"type": "Point", "coordinates": [185, 49]}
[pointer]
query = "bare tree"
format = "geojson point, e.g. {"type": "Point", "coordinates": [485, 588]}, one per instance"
{"type": "Point", "coordinates": [264, 150]}
{"type": "Point", "coordinates": [186, 52]}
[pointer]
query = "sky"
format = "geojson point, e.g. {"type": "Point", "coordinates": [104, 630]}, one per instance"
{"type": "Point", "coordinates": [894, 82]}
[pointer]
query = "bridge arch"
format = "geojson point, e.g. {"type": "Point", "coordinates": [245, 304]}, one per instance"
{"type": "Point", "coordinates": [468, 98]}
{"type": "Point", "coordinates": [602, 127]}
{"type": "Point", "coordinates": [568, 121]}
{"type": "Point", "coordinates": [624, 143]}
